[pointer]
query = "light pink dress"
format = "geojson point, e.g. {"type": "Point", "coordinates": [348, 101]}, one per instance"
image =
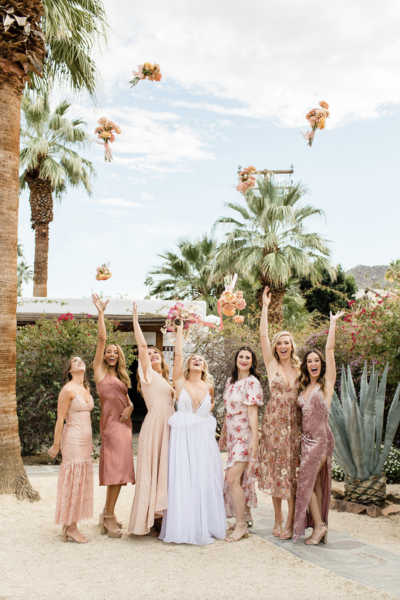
{"type": "Point", "coordinates": [237, 397]}
{"type": "Point", "coordinates": [151, 492]}
{"type": "Point", "coordinates": [75, 478]}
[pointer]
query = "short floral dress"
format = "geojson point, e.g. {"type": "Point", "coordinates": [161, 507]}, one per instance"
{"type": "Point", "coordinates": [237, 397]}
{"type": "Point", "coordinates": [280, 440]}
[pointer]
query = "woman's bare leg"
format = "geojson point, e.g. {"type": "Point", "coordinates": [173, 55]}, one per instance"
{"type": "Point", "coordinates": [277, 502]}
{"type": "Point", "coordinates": [288, 530]}
{"type": "Point", "coordinates": [112, 497]}
{"type": "Point", "coordinates": [233, 476]}
{"type": "Point", "coordinates": [315, 505]}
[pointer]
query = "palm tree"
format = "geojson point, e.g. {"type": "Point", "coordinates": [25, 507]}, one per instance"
{"type": "Point", "coordinates": [393, 271]}
{"type": "Point", "coordinates": [24, 270]}
{"type": "Point", "coordinates": [268, 242]}
{"type": "Point", "coordinates": [188, 272]}
{"type": "Point", "coordinates": [22, 54]}
{"type": "Point", "coordinates": [49, 166]}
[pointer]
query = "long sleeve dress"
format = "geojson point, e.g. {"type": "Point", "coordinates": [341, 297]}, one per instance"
{"type": "Point", "coordinates": [75, 478]}
{"type": "Point", "coordinates": [151, 492]}
{"type": "Point", "coordinates": [317, 441]}
{"type": "Point", "coordinates": [237, 397]}
{"type": "Point", "coordinates": [116, 454]}
{"type": "Point", "coordinates": [280, 440]}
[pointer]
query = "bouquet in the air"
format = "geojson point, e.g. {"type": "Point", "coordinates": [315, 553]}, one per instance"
{"type": "Point", "coordinates": [181, 314]}
{"type": "Point", "coordinates": [150, 71]}
{"type": "Point", "coordinates": [106, 133]}
{"type": "Point", "coordinates": [103, 273]}
{"type": "Point", "coordinates": [317, 118]}
{"type": "Point", "coordinates": [231, 301]}
{"type": "Point", "coordinates": [246, 179]}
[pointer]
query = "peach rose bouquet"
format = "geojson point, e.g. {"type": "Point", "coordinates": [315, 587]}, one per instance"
{"type": "Point", "coordinates": [317, 118]}
{"type": "Point", "coordinates": [186, 315]}
{"type": "Point", "coordinates": [106, 133]}
{"type": "Point", "coordinates": [103, 273]}
{"type": "Point", "coordinates": [150, 71]}
{"type": "Point", "coordinates": [231, 301]}
{"type": "Point", "coordinates": [246, 179]}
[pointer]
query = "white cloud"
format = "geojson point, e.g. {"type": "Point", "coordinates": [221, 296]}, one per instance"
{"type": "Point", "coordinates": [116, 202]}
{"type": "Point", "coordinates": [145, 196]}
{"type": "Point", "coordinates": [137, 180]}
{"type": "Point", "coordinates": [268, 60]}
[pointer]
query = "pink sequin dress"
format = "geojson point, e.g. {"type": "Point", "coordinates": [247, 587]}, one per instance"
{"type": "Point", "coordinates": [75, 478]}
{"type": "Point", "coordinates": [317, 440]}
{"type": "Point", "coordinates": [237, 397]}
{"type": "Point", "coordinates": [280, 440]}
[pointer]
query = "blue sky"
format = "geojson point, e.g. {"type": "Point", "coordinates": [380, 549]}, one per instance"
{"type": "Point", "coordinates": [237, 81]}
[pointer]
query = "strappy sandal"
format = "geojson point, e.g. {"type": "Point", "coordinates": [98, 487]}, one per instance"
{"type": "Point", "coordinates": [102, 515]}
{"type": "Point", "coordinates": [277, 532]}
{"type": "Point", "coordinates": [67, 536]}
{"type": "Point", "coordinates": [232, 538]}
{"type": "Point", "coordinates": [322, 538]}
{"type": "Point", "coordinates": [286, 535]}
{"type": "Point", "coordinates": [105, 531]}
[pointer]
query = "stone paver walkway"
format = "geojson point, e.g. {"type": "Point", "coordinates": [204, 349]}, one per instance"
{"type": "Point", "coordinates": [343, 554]}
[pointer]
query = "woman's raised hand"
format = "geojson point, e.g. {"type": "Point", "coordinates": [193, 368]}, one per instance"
{"type": "Point", "coordinates": [266, 297]}
{"type": "Point", "coordinates": [336, 317]}
{"type": "Point", "coordinates": [135, 312]}
{"type": "Point", "coordinates": [100, 304]}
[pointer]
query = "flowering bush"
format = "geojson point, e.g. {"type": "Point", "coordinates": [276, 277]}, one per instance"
{"type": "Point", "coordinates": [42, 350]}
{"type": "Point", "coordinates": [391, 468]}
{"type": "Point", "coordinates": [337, 472]}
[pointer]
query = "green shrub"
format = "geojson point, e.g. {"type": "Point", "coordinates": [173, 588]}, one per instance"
{"type": "Point", "coordinates": [42, 350]}
{"type": "Point", "coordinates": [391, 468]}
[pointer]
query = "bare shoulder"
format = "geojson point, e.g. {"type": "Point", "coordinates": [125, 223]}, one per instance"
{"type": "Point", "coordinates": [67, 393]}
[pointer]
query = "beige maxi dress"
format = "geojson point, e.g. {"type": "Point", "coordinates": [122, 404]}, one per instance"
{"type": "Point", "coordinates": [151, 493]}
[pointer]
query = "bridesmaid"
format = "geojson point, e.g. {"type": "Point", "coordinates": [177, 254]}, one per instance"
{"type": "Point", "coordinates": [75, 478]}
{"type": "Point", "coordinates": [317, 380]}
{"type": "Point", "coordinates": [243, 395]}
{"type": "Point", "coordinates": [281, 429]}
{"type": "Point", "coordinates": [116, 454]}
{"type": "Point", "coordinates": [150, 499]}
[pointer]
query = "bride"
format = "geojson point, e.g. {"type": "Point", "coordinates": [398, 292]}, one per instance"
{"type": "Point", "coordinates": [196, 510]}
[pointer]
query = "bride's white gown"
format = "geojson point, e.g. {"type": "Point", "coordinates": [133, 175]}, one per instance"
{"type": "Point", "coordinates": [196, 510]}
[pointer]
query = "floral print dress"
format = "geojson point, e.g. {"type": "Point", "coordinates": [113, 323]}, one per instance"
{"type": "Point", "coordinates": [280, 440]}
{"type": "Point", "coordinates": [237, 397]}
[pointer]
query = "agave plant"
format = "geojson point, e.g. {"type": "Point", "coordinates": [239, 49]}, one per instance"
{"type": "Point", "coordinates": [358, 427]}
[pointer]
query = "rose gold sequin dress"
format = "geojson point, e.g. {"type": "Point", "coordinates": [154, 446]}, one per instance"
{"type": "Point", "coordinates": [237, 397]}
{"type": "Point", "coordinates": [75, 478]}
{"type": "Point", "coordinates": [317, 441]}
{"type": "Point", "coordinates": [280, 440]}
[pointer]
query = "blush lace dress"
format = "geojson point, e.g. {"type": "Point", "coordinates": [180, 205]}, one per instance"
{"type": "Point", "coordinates": [317, 440]}
{"type": "Point", "coordinates": [196, 512]}
{"type": "Point", "coordinates": [237, 397]}
{"type": "Point", "coordinates": [280, 440]}
{"type": "Point", "coordinates": [75, 478]}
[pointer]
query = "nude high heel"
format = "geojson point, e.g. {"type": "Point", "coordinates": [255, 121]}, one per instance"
{"type": "Point", "coordinates": [231, 538]}
{"type": "Point", "coordinates": [323, 538]}
{"type": "Point", "coordinates": [67, 537]}
{"type": "Point", "coordinates": [101, 517]}
{"type": "Point", "coordinates": [104, 530]}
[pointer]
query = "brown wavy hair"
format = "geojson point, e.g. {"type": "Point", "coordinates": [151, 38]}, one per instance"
{"type": "Point", "coordinates": [164, 370]}
{"type": "Point", "coordinates": [67, 377]}
{"type": "Point", "coordinates": [120, 370]}
{"type": "Point", "coordinates": [304, 378]}
{"type": "Point", "coordinates": [254, 364]}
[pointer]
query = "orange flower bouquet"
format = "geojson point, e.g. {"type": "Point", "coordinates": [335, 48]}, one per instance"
{"type": "Point", "coordinates": [106, 133]}
{"type": "Point", "coordinates": [246, 179]}
{"type": "Point", "coordinates": [103, 273]}
{"type": "Point", "coordinates": [148, 71]}
{"type": "Point", "coordinates": [231, 301]}
{"type": "Point", "coordinates": [317, 119]}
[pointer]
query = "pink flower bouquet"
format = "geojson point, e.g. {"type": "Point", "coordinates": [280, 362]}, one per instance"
{"type": "Point", "coordinates": [150, 71]}
{"type": "Point", "coordinates": [106, 133]}
{"type": "Point", "coordinates": [103, 273]}
{"type": "Point", "coordinates": [317, 119]}
{"type": "Point", "coordinates": [231, 301]}
{"type": "Point", "coordinates": [181, 314]}
{"type": "Point", "coordinates": [246, 179]}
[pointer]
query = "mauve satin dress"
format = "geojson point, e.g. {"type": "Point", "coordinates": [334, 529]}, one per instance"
{"type": "Point", "coordinates": [316, 441]}
{"type": "Point", "coordinates": [116, 454]}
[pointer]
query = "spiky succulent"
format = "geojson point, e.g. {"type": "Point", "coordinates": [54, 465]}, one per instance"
{"type": "Point", "coordinates": [357, 425]}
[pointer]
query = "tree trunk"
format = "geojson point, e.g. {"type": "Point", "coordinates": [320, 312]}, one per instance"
{"type": "Point", "coordinates": [275, 311]}
{"type": "Point", "coordinates": [13, 478]}
{"type": "Point", "coordinates": [41, 201]}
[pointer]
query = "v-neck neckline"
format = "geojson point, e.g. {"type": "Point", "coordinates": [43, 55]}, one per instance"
{"type": "Point", "coordinates": [289, 387]}
{"type": "Point", "coordinates": [191, 399]}
{"type": "Point", "coordinates": [311, 393]}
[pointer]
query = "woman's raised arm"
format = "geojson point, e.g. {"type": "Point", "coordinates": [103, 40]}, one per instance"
{"type": "Point", "coordinates": [330, 375]}
{"type": "Point", "coordinates": [177, 374]}
{"type": "Point", "coordinates": [98, 366]}
{"type": "Point", "coordinates": [141, 342]}
{"type": "Point", "coordinates": [269, 359]}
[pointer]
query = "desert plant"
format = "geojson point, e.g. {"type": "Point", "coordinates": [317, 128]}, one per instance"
{"type": "Point", "coordinates": [358, 429]}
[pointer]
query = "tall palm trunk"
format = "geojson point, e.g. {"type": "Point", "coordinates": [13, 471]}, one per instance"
{"type": "Point", "coordinates": [41, 201]}
{"type": "Point", "coordinates": [21, 48]}
{"type": "Point", "coordinates": [13, 478]}
{"type": "Point", "coordinates": [275, 310]}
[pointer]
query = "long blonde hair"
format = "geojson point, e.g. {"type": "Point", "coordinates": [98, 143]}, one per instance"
{"type": "Point", "coordinates": [294, 358]}
{"type": "Point", "coordinates": [120, 370]}
{"type": "Point", "coordinates": [205, 376]}
{"type": "Point", "coordinates": [164, 370]}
